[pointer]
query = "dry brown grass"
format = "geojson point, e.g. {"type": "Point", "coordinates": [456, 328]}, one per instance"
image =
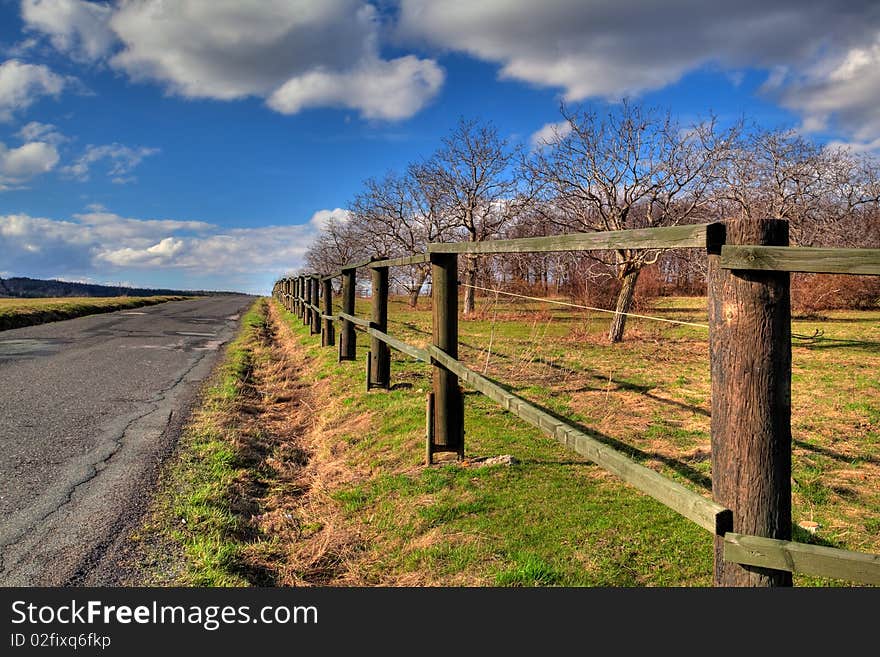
{"type": "Point", "coordinates": [305, 540]}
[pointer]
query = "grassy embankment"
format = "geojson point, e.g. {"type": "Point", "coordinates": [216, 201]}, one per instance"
{"type": "Point", "coordinates": [15, 313]}
{"type": "Point", "coordinates": [552, 519]}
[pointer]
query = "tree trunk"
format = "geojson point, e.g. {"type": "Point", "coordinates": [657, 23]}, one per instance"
{"type": "Point", "coordinates": [416, 289]}
{"type": "Point", "coordinates": [470, 279]}
{"type": "Point", "coordinates": [624, 303]}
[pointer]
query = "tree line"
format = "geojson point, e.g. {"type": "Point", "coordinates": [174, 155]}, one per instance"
{"type": "Point", "coordinates": [630, 167]}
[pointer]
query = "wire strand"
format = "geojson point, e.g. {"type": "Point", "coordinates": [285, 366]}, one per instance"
{"type": "Point", "coordinates": [576, 305]}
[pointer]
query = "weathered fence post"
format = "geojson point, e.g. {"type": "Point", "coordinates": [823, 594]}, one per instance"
{"type": "Point", "coordinates": [750, 362]}
{"type": "Point", "coordinates": [347, 337]}
{"type": "Point", "coordinates": [295, 304]}
{"type": "Point", "coordinates": [448, 406]}
{"type": "Point", "coordinates": [314, 315]}
{"type": "Point", "coordinates": [429, 428]}
{"type": "Point", "coordinates": [328, 334]}
{"type": "Point", "coordinates": [304, 300]}
{"type": "Point", "coordinates": [288, 293]}
{"type": "Point", "coordinates": [380, 370]}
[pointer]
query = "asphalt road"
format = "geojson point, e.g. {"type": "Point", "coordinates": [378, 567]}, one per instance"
{"type": "Point", "coordinates": [89, 408]}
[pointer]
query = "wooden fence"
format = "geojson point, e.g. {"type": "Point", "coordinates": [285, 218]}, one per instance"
{"type": "Point", "coordinates": [750, 363]}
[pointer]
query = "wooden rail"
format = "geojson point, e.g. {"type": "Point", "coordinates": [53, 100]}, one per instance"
{"type": "Point", "coordinates": [417, 259]}
{"type": "Point", "coordinates": [400, 345]}
{"type": "Point", "coordinates": [642, 238]}
{"type": "Point", "coordinates": [802, 558]}
{"type": "Point", "coordinates": [357, 321]}
{"type": "Point", "coordinates": [706, 513]}
{"type": "Point", "coordinates": [801, 259]}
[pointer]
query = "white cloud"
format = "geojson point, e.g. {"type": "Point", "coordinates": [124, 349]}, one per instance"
{"type": "Point", "coordinates": [18, 165]}
{"type": "Point", "coordinates": [842, 88]}
{"type": "Point", "coordinates": [22, 48]}
{"type": "Point", "coordinates": [102, 245]}
{"type": "Point", "coordinates": [822, 57]}
{"type": "Point", "coordinates": [22, 84]}
{"type": "Point", "coordinates": [549, 133]}
{"type": "Point", "coordinates": [77, 28]}
{"type": "Point", "coordinates": [159, 254]}
{"type": "Point", "coordinates": [380, 89]}
{"type": "Point", "coordinates": [322, 218]}
{"type": "Point", "coordinates": [872, 146]}
{"type": "Point", "coordinates": [45, 132]}
{"type": "Point", "coordinates": [295, 53]}
{"type": "Point", "coordinates": [122, 161]}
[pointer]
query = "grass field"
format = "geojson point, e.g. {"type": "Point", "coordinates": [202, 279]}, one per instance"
{"type": "Point", "coordinates": [571, 523]}
{"type": "Point", "coordinates": [337, 493]}
{"type": "Point", "coordinates": [16, 312]}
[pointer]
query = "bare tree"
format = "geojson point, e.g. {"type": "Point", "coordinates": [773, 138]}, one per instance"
{"type": "Point", "coordinates": [475, 172]}
{"type": "Point", "coordinates": [399, 216]}
{"type": "Point", "coordinates": [339, 243]}
{"type": "Point", "coordinates": [632, 168]}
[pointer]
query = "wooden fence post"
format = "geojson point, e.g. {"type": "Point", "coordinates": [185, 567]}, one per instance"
{"type": "Point", "coordinates": [314, 315]}
{"type": "Point", "coordinates": [304, 299]}
{"type": "Point", "coordinates": [448, 406]}
{"type": "Point", "coordinates": [380, 370]}
{"type": "Point", "coordinates": [288, 290]}
{"type": "Point", "coordinates": [328, 333]}
{"type": "Point", "coordinates": [750, 362]}
{"type": "Point", "coordinates": [295, 304]}
{"type": "Point", "coordinates": [307, 295]}
{"type": "Point", "coordinates": [347, 337]}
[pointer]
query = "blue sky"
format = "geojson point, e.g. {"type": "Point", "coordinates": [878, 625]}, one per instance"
{"type": "Point", "coordinates": [200, 143]}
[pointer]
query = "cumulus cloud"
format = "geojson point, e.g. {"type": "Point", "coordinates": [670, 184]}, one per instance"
{"type": "Point", "coordinates": [549, 133]}
{"type": "Point", "coordinates": [18, 165]}
{"type": "Point", "coordinates": [102, 245]}
{"type": "Point", "coordinates": [380, 89]}
{"type": "Point", "coordinates": [22, 84]}
{"type": "Point", "coordinates": [77, 28]}
{"type": "Point", "coordinates": [160, 253]}
{"type": "Point", "coordinates": [296, 54]}
{"type": "Point", "coordinates": [122, 161]}
{"type": "Point", "coordinates": [822, 55]}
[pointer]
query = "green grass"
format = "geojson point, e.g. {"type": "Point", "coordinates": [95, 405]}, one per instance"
{"type": "Point", "coordinates": [15, 313]}
{"type": "Point", "coordinates": [555, 519]}
{"type": "Point", "coordinates": [195, 506]}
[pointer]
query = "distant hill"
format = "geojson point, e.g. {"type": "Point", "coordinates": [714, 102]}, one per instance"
{"type": "Point", "coordinates": [33, 288]}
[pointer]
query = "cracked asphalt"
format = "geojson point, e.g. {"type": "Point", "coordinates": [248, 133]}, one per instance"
{"type": "Point", "coordinates": [89, 409]}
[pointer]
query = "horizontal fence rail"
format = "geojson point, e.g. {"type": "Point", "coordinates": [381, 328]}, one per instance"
{"type": "Point", "coordinates": [357, 321]}
{"type": "Point", "coordinates": [706, 513]}
{"type": "Point", "coordinates": [401, 346]}
{"type": "Point", "coordinates": [417, 259]}
{"type": "Point", "coordinates": [802, 259]}
{"type": "Point", "coordinates": [641, 238]}
{"type": "Point", "coordinates": [802, 558]}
